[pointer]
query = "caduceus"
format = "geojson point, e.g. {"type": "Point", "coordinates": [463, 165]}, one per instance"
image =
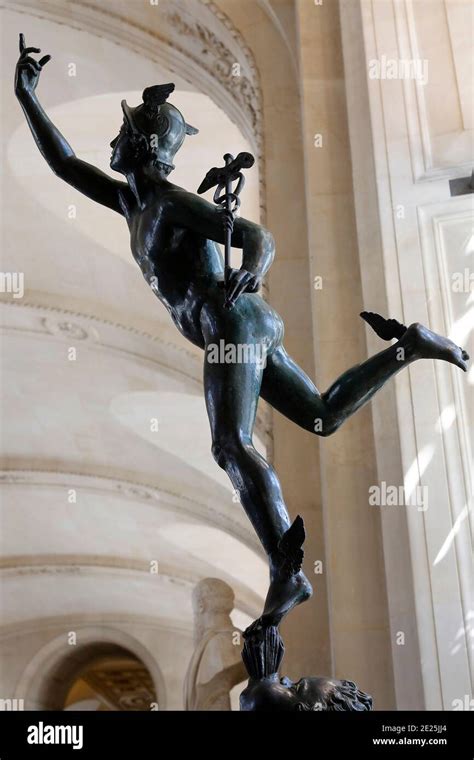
{"type": "Point", "coordinates": [229, 200]}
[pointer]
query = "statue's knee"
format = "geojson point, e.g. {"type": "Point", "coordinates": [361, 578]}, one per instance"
{"type": "Point", "coordinates": [227, 451]}
{"type": "Point", "coordinates": [327, 425]}
{"type": "Point", "coordinates": [218, 453]}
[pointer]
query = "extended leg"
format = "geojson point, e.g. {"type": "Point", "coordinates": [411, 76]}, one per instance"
{"type": "Point", "coordinates": [287, 388]}
{"type": "Point", "coordinates": [232, 391]}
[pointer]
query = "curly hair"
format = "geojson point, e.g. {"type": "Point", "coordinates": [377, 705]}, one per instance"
{"type": "Point", "coordinates": [345, 697]}
{"type": "Point", "coordinates": [348, 696]}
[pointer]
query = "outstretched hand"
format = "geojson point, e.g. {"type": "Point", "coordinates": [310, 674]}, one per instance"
{"type": "Point", "coordinates": [28, 69]}
{"type": "Point", "coordinates": [238, 282]}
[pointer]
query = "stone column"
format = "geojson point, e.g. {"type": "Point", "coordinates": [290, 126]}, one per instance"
{"type": "Point", "coordinates": [360, 635]}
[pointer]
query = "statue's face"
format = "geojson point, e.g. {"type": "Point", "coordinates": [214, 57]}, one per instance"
{"type": "Point", "coordinates": [314, 693]}
{"type": "Point", "coordinates": [124, 154]}
{"type": "Point", "coordinates": [262, 695]}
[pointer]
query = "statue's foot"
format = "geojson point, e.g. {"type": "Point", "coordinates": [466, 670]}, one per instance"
{"type": "Point", "coordinates": [284, 594]}
{"type": "Point", "coordinates": [429, 345]}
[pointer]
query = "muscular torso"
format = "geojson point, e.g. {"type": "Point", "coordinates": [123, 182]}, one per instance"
{"type": "Point", "coordinates": [181, 266]}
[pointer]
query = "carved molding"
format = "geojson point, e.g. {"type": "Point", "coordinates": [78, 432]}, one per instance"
{"type": "Point", "coordinates": [218, 55]}
{"type": "Point", "coordinates": [68, 329]}
{"type": "Point", "coordinates": [104, 621]}
{"type": "Point", "coordinates": [210, 514]}
{"type": "Point", "coordinates": [75, 564]}
{"type": "Point", "coordinates": [246, 600]}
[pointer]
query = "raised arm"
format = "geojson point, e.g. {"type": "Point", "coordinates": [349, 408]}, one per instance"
{"type": "Point", "coordinates": [53, 146]}
{"type": "Point", "coordinates": [258, 246]}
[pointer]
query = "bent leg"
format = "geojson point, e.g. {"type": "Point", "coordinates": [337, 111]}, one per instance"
{"type": "Point", "coordinates": [289, 390]}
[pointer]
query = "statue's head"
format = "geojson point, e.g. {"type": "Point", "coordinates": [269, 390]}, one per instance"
{"type": "Point", "coordinates": [213, 601]}
{"type": "Point", "coordinates": [307, 694]}
{"type": "Point", "coordinates": [213, 595]}
{"type": "Point", "coordinates": [151, 133]}
{"type": "Point", "coordinates": [262, 655]}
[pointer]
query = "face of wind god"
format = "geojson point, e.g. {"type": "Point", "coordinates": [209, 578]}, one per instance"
{"type": "Point", "coordinates": [307, 694]}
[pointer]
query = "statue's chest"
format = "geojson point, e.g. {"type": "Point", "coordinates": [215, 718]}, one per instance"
{"type": "Point", "coordinates": [147, 237]}
{"type": "Point", "coordinates": [156, 247]}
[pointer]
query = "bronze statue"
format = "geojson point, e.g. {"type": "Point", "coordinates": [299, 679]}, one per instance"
{"type": "Point", "coordinates": [266, 691]}
{"type": "Point", "coordinates": [175, 237]}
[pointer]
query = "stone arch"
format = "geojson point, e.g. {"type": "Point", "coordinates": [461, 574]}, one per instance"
{"type": "Point", "coordinates": [48, 676]}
